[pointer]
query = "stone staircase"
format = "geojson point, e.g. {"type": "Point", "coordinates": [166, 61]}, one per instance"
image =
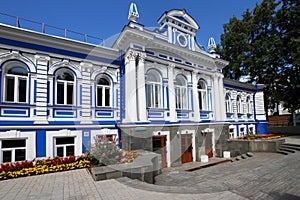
{"type": "Point", "coordinates": [287, 148]}
{"type": "Point", "coordinates": [243, 156]}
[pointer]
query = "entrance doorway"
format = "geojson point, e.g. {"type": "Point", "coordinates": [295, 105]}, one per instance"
{"type": "Point", "coordinates": [208, 144]}
{"type": "Point", "coordinates": [186, 148]}
{"type": "Point", "coordinates": [159, 146]}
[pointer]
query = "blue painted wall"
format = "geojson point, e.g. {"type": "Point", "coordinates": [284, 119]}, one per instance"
{"type": "Point", "coordinates": [262, 128]}
{"type": "Point", "coordinates": [40, 143]}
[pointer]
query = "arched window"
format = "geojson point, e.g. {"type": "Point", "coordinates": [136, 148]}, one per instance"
{"type": "Point", "coordinates": [65, 93]}
{"type": "Point", "coordinates": [181, 92]}
{"type": "Point", "coordinates": [153, 89]}
{"type": "Point", "coordinates": [103, 92]}
{"type": "Point", "coordinates": [239, 104]}
{"type": "Point", "coordinates": [227, 103]}
{"type": "Point", "coordinates": [15, 82]}
{"type": "Point", "coordinates": [202, 94]}
{"type": "Point", "coordinates": [249, 105]}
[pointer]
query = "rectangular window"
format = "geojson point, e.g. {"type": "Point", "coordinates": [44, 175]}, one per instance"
{"type": "Point", "coordinates": [231, 133]}
{"type": "Point", "coordinates": [99, 96]}
{"type": "Point", "coordinates": [69, 93]}
{"type": "Point", "coordinates": [60, 93]}
{"type": "Point", "coordinates": [13, 150]}
{"type": "Point", "coordinates": [157, 96]}
{"type": "Point", "coordinates": [64, 146]}
{"type": "Point", "coordinates": [242, 131]}
{"type": "Point", "coordinates": [149, 96]}
{"type": "Point", "coordinates": [22, 89]}
{"type": "Point", "coordinates": [107, 96]}
{"type": "Point", "coordinates": [10, 89]}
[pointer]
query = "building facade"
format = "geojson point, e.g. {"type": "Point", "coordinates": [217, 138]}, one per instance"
{"type": "Point", "coordinates": [157, 90]}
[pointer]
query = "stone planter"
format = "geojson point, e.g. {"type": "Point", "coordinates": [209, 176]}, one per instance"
{"type": "Point", "coordinates": [144, 168]}
{"type": "Point", "coordinates": [238, 147]}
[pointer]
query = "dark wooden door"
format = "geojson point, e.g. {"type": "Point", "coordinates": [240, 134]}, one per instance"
{"type": "Point", "coordinates": [186, 148]}
{"type": "Point", "coordinates": [159, 146]}
{"type": "Point", "coordinates": [208, 144]}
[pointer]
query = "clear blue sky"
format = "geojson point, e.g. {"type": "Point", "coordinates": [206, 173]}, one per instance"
{"type": "Point", "coordinates": [106, 18]}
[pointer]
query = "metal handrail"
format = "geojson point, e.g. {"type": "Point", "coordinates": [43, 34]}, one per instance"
{"type": "Point", "coordinates": [43, 29]}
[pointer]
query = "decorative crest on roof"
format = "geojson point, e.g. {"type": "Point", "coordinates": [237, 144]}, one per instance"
{"type": "Point", "coordinates": [211, 45]}
{"type": "Point", "coordinates": [133, 13]}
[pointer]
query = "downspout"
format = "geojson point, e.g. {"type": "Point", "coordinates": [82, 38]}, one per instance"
{"type": "Point", "coordinates": [122, 87]}
{"type": "Point", "coordinates": [254, 107]}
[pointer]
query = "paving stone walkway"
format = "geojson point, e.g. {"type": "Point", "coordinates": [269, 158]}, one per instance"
{"type": "Point", "coordinates": [263, 176]}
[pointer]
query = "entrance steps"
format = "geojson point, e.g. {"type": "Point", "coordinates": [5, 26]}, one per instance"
{"type": "Point", "coordinates": [243, 156]}
{"type": "Point", "coordinates": [287, 148]}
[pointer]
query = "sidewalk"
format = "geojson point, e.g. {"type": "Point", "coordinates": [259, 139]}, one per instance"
{"type": "Point", "coordinates": [263, 176]}
{"type": "Point", "coordinates": [293, 139]}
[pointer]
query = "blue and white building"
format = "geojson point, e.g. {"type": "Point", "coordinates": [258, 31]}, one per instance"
{"type": "Point", "coordinates": [156, 89]}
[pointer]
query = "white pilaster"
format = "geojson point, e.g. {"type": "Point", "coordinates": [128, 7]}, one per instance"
{"type": "Point", "coordinates": [86, 93]}
{"type": "Point", "coordinates": [173, 114]}
{"type": "Point", "coordinates": [196, 96]}
{"type": "Point", "coordinates": [142, 112]}
{"type": "Point", "coordinates": [41, 95]}
{"type": "Point", "coordinates": [222, 98]}
{"type": "Point", "coordinates": [130, 87]}
{"type": "Point", "coordinates": [216, 98]}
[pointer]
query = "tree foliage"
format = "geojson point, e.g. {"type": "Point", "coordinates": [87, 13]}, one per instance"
{"type": "Point", "coordinates": [265, 45]}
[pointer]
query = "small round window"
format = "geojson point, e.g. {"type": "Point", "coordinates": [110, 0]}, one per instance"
{"type": "Point", "coordinates": [182, 40]}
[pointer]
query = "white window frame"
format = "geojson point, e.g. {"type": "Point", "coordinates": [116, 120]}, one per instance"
{"type": "Point", "coordinates": [181, 95]}
{"type": "Point", "coordinates": [30, 142]}
{"type": "Point", "coordinates": [155, 87]}
{"type": "Point", "coordinates": [239, 108]}
{"type": "Point", "coordinates": [252, 126]}
{"type": "Point", "coordinates": [102, 132]}
{"type": "Point", "coordinates": [228, 103]}
{"type": "Point", "coordinates": [249, 105]}
{"type": "Point", "coordinates": [16, 91]}
{"type": "Point", "coordinates": [155, 94]}
{"type": "Point", "coordinates": [202, 94]}
{"type": "Point", "coordinates": [104, 87]}
{"type": "Point", "coordinates": [50, 135]}
{"type": "Point", "coordinates": [12, 149]}
{"type": "Point", "coordinates": [62, 145]}
{"type": "Point", "coordinates": [242, 133]}
{"type": "Point", "coordinates": [65, 84]}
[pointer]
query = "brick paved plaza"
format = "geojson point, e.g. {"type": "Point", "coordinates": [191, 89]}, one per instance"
{"type": "Point", "coordinates": [263, 176]}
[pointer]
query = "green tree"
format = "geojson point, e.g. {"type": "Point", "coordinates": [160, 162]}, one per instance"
{"type": "Point", "coordinates": [264, 44]}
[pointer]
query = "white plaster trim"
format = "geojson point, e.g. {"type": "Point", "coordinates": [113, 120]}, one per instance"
{"type": "Point", "coordinates": [63, 133]}
{"type": "Point", "coordinates": [30, 141]}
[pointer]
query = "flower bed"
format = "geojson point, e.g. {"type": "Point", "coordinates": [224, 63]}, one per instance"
{"type": "Point", "coordinates": [260, 137]}
{"type": "Point", "coordinates": [30, 168]}
{"type": "Point", "coordinates": [106, 152]}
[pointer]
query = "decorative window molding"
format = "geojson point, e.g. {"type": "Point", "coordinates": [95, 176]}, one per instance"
{"type": "Point", "coordinates": [65, 87]}
{"type": "Point", "coordinates": [103, 92]}
{"type": "Point", "coordinates": [51, 136]}
{"type": "Point", "coordinates": [181, 92]}
{"type": "Point", "coordinates": [17, 146]}
{"type": "Point", "coordinates": [239, 106]}
{"type": "Point", "coordinates": [15, 82]}
{"type": "Point", "coordinates": [202, 94]}
{"type": "Point", "coordinates": [154, 89]}
{"type": "Point", "coordinates": [228, 103]}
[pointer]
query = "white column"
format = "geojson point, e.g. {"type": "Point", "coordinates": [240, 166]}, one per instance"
{"type": "Point", "coordinates": [172, 100]}
{"type": "Point", "coordinates": [142, 112]}
{"type": "Point", "coordinates": [216, 98]}
{"type": "Point", "coordinates": [196, 96]}
{"type": "Point", "coordinates": [130, 87]}
{"type": "Point", "coordinates": [86, 93]}
{"type": "Point", "coordinates": [222, 98]}
{"type": "Point", "coordinates": [42, 87]}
